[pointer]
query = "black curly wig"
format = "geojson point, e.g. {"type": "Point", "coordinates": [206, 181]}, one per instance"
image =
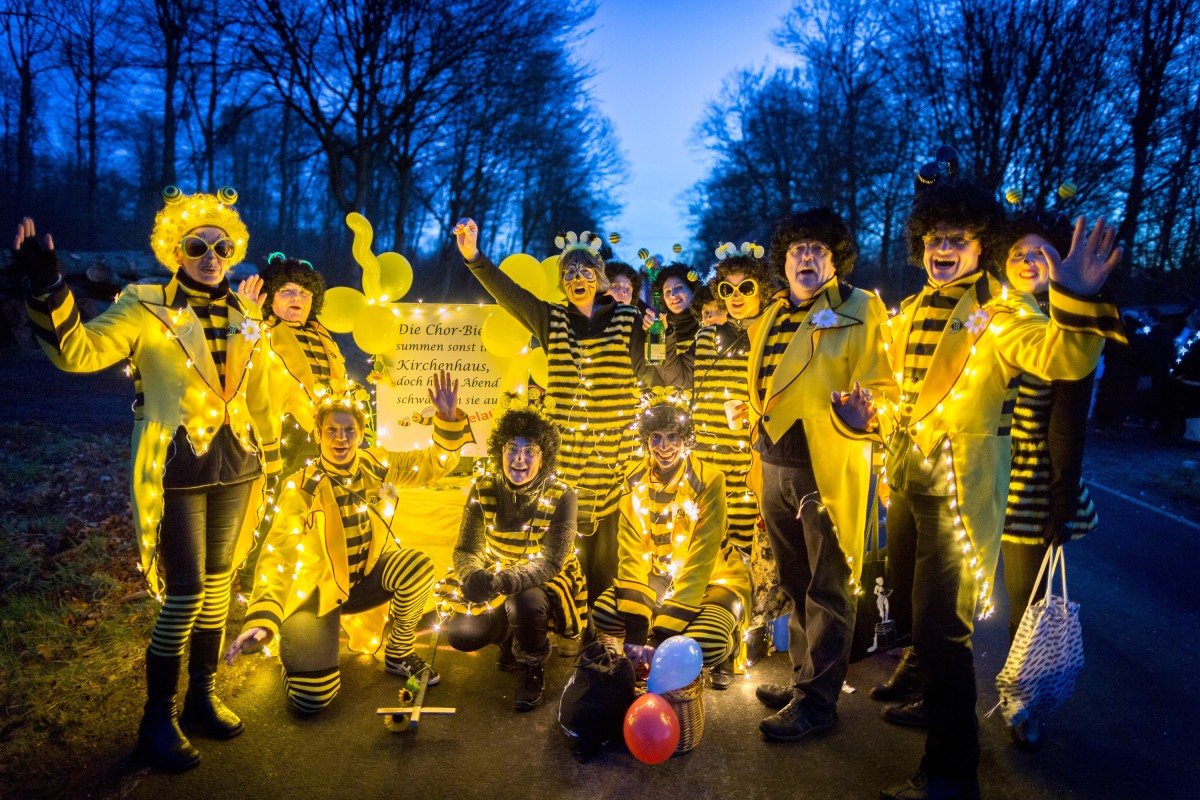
{"type": "Point", "coordinates": [700, 299]}
{"type": "Point", "coordinates": [614, 268]}
{"type": "Point", "coordinates": [1052, 226]}
{"type": "Point", "coordinates": [751, 267]}
{"type": "Point", "coordinates": [675, 270]}
{"type": "Point", "coordinates": [292, 270]}
{"type": "Point", "coordinates": [666, 417]}
{"type": "Point", "coordinates": [958, 204]}
{"type": "Point", "coordinates": [816, 225]}
{"type": "Point", "coordinates": [530, 425]}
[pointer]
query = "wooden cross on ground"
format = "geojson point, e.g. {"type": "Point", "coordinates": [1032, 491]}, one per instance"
{"type": "Point", "coordinates": [407, 718]}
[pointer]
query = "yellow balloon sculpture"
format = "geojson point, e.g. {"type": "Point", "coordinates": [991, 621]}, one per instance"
{"type": "Point", "coordinates": [386, 278]}
{"type": "Point", "coordinates": [376, 330]}
{"type": "Point", "coordinates": [550, 270]}
{"type": "Point", "coordinates": [503, 336]}
{"type": "Point", "coordinates": [527, 272]}
{"type": "Point", "coordinates": [342, 307]}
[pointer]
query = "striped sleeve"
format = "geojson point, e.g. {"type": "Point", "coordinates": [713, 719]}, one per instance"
{"type": "Point", "coordinates": [452, 435]}
{"type": "Point", "coordinates": [1094, 315]}
{"type": "Point", "coordinates": [75, 346]}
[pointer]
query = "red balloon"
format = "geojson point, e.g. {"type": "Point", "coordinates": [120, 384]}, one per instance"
{"type": "Point", "coordinates": [651, 729]}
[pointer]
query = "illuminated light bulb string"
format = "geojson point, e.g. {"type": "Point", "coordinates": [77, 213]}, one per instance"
{"type": "Point", "coordinates": [970, 552]}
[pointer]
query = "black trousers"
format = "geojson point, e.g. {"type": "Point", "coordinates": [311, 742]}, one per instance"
{"type": "Point", "coordinates": [1021, 565]}
{"type": "Point", "coordinates": [526, 614]}
{"type": "Point", "coordinates": [935, 589]}
{"type": "Point", "coordinates": [813, 572]}
{"type": "Point", "coordinates": [199, 531]}
{"type": "Point", "coordinates": [598, 555]}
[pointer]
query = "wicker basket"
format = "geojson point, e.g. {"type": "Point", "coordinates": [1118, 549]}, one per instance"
{"type": "Point", "coordinates": [688, 704]}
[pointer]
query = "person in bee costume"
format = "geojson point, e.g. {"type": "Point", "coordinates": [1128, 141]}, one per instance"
{"type": "Point", "coordinates": [201, 440]}
{"type": "Point", "coordinates": [331, 551]}
{"type": "Point", "coordinates": [516, 569]}
{"type": "Point", "coordinates": [816, 363]}
{"type": "Point", "coordinates": [959, 348]}
{"type": "Point", "coordinates": [672, 576]}
{"type": "Point", "coordinates": [303, 357]}
{"type": "Point", "coordinates": [595, 348]}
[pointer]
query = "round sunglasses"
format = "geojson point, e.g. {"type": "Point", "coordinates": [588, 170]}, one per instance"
{"type": "Point", "coordinates": [746, 288]}
{"type": "Point", "coordinates": [195, 247]}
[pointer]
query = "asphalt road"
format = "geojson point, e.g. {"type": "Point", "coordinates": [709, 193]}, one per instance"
{"type": "Point", "coordinates": [1129, 731]}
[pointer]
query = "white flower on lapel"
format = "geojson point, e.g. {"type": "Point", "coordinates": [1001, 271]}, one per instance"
{"type": "Point", "coordinates": [825, 318]}
{"type": "Point", "coordinates": [388, 493]}
{"type": "Point", "coordinates": [978, 321]}
{"type": "Point", "coordinates": [251, 330]}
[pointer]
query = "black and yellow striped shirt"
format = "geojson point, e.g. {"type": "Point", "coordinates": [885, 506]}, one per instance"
{"type": "Point", "coordinates": [934, 309]}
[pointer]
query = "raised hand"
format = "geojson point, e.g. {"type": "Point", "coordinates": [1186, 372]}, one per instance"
{"type": "Point", "coordinates": [1091, 260]}
{"type": "Point", "coordinates": [252, 289]}
{"type": "Point", "coordinates": [466, 236]}
{"type": "Point", "coordinates": [249, 642]}
{"type": "Point", "coordinates": [855, 408]}
{"type": "Point", "coordinates": [444, 396]}
{"type": "Point", "coordinates": [37, 261]}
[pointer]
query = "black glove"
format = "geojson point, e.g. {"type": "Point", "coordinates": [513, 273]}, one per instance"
{"type": "Point", "coordinates": [478, 586]}
{"type": "Point", "coordinates": [37, 264]}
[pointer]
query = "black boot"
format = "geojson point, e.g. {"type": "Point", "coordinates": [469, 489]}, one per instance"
{"type": "Point", "coordinates": [903, 682]}
{"type": "Point", "coordinates": [531, 680]}
{"type": "Point", "coordinates": [721, 677]}
{"type": "Point", "coordinates": [202, 709]}
{"type": "Point", "coordinates": [507, 662]}
{"type": "Point", "coordinates": [160, 742]}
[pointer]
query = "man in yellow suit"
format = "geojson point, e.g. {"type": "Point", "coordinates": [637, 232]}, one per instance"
{"type": "Point", "coordinates": [958, 347]}
{"type": "Point", "coordinates": [809, 348]}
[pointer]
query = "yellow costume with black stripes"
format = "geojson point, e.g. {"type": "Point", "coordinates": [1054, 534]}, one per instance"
{"type": "Point", "coordinates": [519, 550]}
{"type": "Point", "coordinates": [180, 385]}
{"type": "Point", "coordinates": [306, 549]}
{"type": "Point", "coordinates": [670, 560]}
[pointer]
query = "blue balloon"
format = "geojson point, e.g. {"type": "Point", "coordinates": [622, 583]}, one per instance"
{"type": "Point", "coordinates": [677, 662]}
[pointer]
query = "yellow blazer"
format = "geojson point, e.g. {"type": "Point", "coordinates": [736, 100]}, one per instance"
{"type": "Point", "coordinates": [993, 335]}
{"type": "Point", "coordinates": [839, 342]}
{"type": "Point", "coordinates": [292, 380]}
{"type": "Point", "coordinates": [685, 545]}
{"type": "Point", "coordinates": [155, 329]}
{"type": "Point", "coordinates": [305, 550]}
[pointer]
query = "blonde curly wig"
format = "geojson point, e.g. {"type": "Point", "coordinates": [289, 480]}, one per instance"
{"type": "Point", "coordinates": [185, 213]}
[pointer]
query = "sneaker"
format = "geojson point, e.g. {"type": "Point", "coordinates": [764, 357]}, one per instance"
{"type": "Point", "coordinates": [410, 666]}
{"type": "Point", "coordinates": [531, 680]}
{"type": "Point", "coordinates": [909, 715]}
{"type": "Point", "coordinates": [569, 648]}
{"type": "Point", "coordinates": [924, 786]}
{"type": "Point", "coordinates": [774, 695]}
{"type": "Point", "coordinates": [794, 722]}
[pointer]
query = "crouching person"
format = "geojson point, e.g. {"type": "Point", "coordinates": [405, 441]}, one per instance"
{"type": "Point", "coordinates": [672, 577]}
{"type": "Point", "coordinates": [331, 550]}
{"type": "Point", "coordinates": [517, 574]}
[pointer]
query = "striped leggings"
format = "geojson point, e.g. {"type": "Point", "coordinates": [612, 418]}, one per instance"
{"type": "Point", "coordinates": [198, 533]}
{"type": "Point", "coordinates": [308, 646]}
{"type": "Point", "coordinates": [713, 628]}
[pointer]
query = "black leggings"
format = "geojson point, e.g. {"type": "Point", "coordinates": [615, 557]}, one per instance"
{"type": "Point", "coordinates": [526, 614]}
{"type": "Point", "coordinates": [1021, 565]}
{"type": "Point", "coordinates": [197, 536]}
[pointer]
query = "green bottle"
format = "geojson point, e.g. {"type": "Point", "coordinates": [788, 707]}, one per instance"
{"type": "Point", "coordinates": [656, 334]}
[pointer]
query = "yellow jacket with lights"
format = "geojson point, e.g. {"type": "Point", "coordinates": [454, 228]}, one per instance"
{"type": "Point", "coordinates": [305, 550]}
{"type": "Point", "coordinates": [674, 530]}
{"type": "Point", "coordinates": [840, 341]}
{"type": "Point", "coordinates": [155, 329]}
{"type": "Point", "coordinates": [962, 414]}
{"type": "Point", "coordinates": [292, 381]}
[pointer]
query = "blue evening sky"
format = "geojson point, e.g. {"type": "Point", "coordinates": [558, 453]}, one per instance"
{"type": "Point", "coordinates": [658, 64]}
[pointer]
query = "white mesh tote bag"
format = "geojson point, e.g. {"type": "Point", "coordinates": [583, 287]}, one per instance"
{"type": "Point", "coordinates": [1047, 653]}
